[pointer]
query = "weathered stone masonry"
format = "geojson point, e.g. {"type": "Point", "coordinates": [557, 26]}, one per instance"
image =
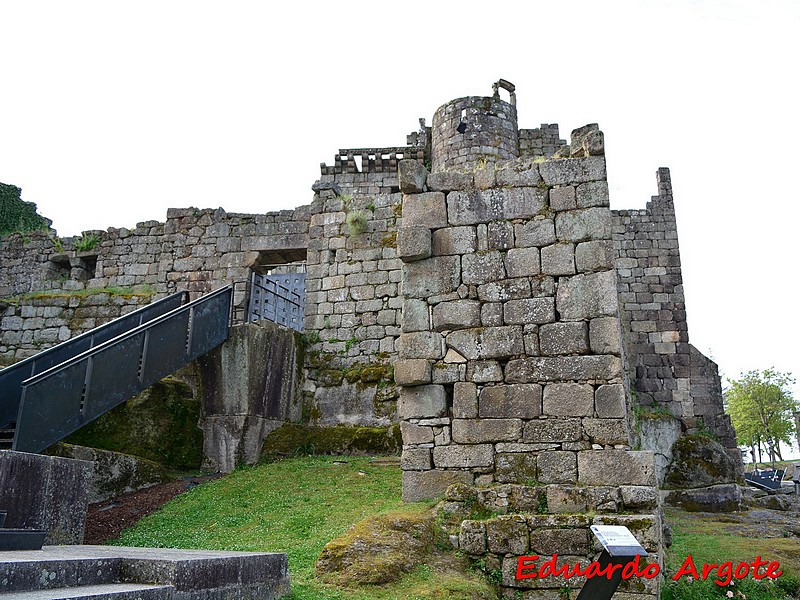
{"type": "Point", "coordinates": [353, 278]}
{"type": "Point", "coordinates": [664, 367]}
{"type": "Point", "coordinates": [474, 286]}
{"type": "Point", "coordinates": [511, 358]}
{"type": "Point", "coordinates": [194, 250]}
{"type": "Point", "coordinates": [354, 304]}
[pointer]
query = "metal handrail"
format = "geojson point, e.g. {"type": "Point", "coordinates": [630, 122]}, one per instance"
{"type": "Point", "coordinates": [60, 400]}
{"type": "Point", "coordinates": [11, 377]}
{"type": "Point", "coordinates": [132, 332]}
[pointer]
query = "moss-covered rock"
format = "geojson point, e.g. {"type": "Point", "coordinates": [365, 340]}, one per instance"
{"type": "Point", "coordinates": [699, 461]}
{"type": "Point", "coordinates": [330, 377]}
{"type": "Point", "coordinates": [114, 473]}
{"type": "Point", "coordinates": [294, 438]}
{"type": "Point", "coordinates": [377, 550]}
{"type": "Point", "coordinates": [723, 498]}
{"type": "Point", "coordinates": [373, 374]}
{"type": "Point", "coordinates": [775, 502]}
{"type": "Point", "coordinates": [160, 424]}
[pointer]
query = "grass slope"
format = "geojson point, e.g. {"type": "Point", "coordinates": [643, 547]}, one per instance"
{"type": "Point", "coordinates": [297, 506]}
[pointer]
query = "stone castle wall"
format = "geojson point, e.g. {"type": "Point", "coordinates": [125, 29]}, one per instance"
{"type": "Point", "coordinates": [651, 294]}
{"type": "Point", "coordinates": [214, 246]}
{"type": "Point", "coordinates": [511, 360]}
{"type": "Point", "coordinates": [354, 301]}
{"type": "Point", "coordinates": [706, 391]}
{"type": "Point", "coordinates": [474, 286]}
{"type": "Point", "coordinates": [352, 308]}
{"type": "Point", "coordinates": [36, 323]}
{"type": "Point", "coordinates": [665, 369]}
{"type": "Point", "coordinates": [194, 250]}
{"type": "Point", "coordinates": [510, 302]}
{"type": "Point", "coordinates": [543, 141]}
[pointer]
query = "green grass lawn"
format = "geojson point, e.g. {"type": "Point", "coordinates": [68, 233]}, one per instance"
{"type": "Point", "coordinates": [711, 539]}
{"type": "Point", "coordinates": [297, 506]}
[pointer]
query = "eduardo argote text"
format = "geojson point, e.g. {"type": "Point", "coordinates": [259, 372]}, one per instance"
{"type": "Point", "coordinates": [723, 573]}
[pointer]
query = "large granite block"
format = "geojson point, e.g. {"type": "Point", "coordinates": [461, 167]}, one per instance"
{"type": "Point", "coordinates": [45, 492]}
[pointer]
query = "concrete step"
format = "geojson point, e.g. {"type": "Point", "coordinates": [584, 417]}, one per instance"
{"type": "Point", "coordinates": [111, 591]}
{"type": "Point", "coordinates": [194, 574]}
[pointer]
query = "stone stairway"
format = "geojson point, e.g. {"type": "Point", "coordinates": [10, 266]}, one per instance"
{"type": "Point", "coordinates": [108, 572]}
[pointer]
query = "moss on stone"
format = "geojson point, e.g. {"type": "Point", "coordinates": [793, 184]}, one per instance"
{"type": "Point", "coordinates": [160, 424]}
{"type": "Point", "coordinates": [377, 550]}
{"type": "Point", "coordinates": [330, 377]}
{"type": "Point", "coordinates": [651, 413]}
{"type": "Point", "coordinates": [372, 374]}
{"type": "Point", "coordinates": [319, 360]}
{"type": "Point", "coordinates": [699, 461]}
{"type": "Point", "coordinates": [114, 473]}
{"type": "Point", "coordinates": [310, 412]}
{"type": "Point", "coordinates": [294, 438]}
{"type": "Point", "coordinates": [389, 240]}
{"type": "Point", "coordinates": [352, 375]}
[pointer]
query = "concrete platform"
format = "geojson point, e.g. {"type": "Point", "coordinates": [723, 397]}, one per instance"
{"type": "Point", "coordinates": [178, 574]}
{"type": "Point", "coordinates": [109, 591]}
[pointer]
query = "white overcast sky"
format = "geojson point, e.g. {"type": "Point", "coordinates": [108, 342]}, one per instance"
{"type": "Point", "coordinates": [113, 112]}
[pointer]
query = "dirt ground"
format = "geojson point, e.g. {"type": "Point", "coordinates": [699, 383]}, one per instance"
{"type": "Point", "coordinates": [106, 520]}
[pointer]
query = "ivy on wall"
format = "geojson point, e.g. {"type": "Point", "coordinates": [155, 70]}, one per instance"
{"type": "Point", "coordinates": [18, 215]}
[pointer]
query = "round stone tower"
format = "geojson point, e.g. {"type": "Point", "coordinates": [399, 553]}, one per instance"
{"type": "Point", "coordinates": [474, 130]}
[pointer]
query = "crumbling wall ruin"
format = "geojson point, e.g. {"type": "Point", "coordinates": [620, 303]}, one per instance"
{"type": "Point", "coordinates": [193, 250]}
{"type": "Point", "coordinates": [665, 369]}
{"type": "Point", "coordinates": [473, 285]}
{"type": "Point", "coordinates": [356, 301]}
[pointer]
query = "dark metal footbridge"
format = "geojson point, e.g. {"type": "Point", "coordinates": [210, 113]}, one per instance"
{"type": "Point", "coordinates": [48, 396]}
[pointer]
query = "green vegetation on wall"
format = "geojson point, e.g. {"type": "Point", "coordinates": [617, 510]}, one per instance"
{"type": "Point", "coordinates": [294, 439]}
{"type": "Point", "coordinates": [159, 424]}
{"type": "Point", "coordinates": [17, 215]}
{"type": "Point", "coordinates": [87, 242]}
{"type": "Point", "coordinates": [144, 291]}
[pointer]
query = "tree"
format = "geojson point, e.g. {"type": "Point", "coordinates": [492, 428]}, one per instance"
{"type": "Point", "coordinates": [18, 215]}
{"type": "Point", "coordinates": [761, 408]}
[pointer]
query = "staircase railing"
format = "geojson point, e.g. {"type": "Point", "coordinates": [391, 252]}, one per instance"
{"type": "Point", "coordinates": [11, 378]}
{"type": "Point", "coordinates": [64, 398]}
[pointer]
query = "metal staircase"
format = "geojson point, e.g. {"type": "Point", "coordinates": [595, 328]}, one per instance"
{"type": "Point", "coordinates": [48, 396]}
{"type": "Point", "coordinates": [7, 436]}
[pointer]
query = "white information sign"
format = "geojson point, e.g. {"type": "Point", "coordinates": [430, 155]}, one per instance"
{"type": "Point", "coordinates": [618, 540]}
